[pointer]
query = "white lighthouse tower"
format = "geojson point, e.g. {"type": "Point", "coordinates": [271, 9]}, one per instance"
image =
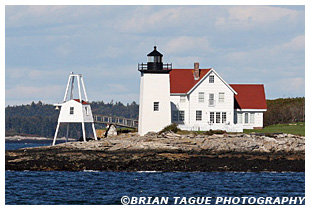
{"type": "Point", "coordinates": [75, 110]}
{"type": "Point", "coordinates": [154, 102]}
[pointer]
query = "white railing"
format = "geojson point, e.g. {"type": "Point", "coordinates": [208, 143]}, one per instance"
{"type": "Point", "coordinates": [207, 127]}
{"type": "Point", "coordinates": [120, 121]}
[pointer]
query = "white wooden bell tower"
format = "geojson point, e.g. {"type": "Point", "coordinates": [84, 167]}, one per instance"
{"type": "Point", "coordinates": [75, 110]}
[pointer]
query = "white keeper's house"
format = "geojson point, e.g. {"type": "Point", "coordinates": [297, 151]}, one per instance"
{"type": "Point", "coordinates": [196, 99]}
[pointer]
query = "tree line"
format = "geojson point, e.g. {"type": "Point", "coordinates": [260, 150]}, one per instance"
{"type": "Point", "coordinates": [40, 119]}
{"type": "Point", "coordinates": [285, 110]}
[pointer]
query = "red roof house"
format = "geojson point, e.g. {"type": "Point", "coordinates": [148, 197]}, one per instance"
{"type": "Point", "coordinates": [202, 100]}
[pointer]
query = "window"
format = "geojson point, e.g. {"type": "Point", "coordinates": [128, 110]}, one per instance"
{"type": "Point", "coordinates": [157, 59]}
{"type": "Point", "coordinates": [211, 79]}
{"type": "Point", "coordinates": [154, 59]}
{"type": "Point", "coordinates": [223, 117]}
{"type": "Point", "coordinates": [198, 115]}
{"type": "Point", "coordinates": [182, 99]}
{"type": "Point", "coordinates": [211, 117]}
{"type": "Point", "coordinates": [252, 118]}
{"type": "Point", "coordinates": [246, 118]}
{"type": "Point", "coordinates": [178, 116]}
{"type": "Point", "coordinates": [181, 116]}
{"type": "Point", "coordinates": [201, 97]}
{"type": "Point", "coordinates": [156, 106]}
{"type": "Point", "coordinates": [217, 117]}
{"type": "Point", "coordinates": [150, 59]}
{"type": "Point", "coordinates": [235, 118]}
{"type": "Point", "coordinates": [221, 97]}
{"type": "Point", "coordinates": [240, 118]}
{"type": "Point", "coordinates": [86, 111]}
{"type": "Point", "coordinates": [175, 116]}
{"type": "Point", "coordinates": [211, 101]}
{"type": "Point", "coordinates": [71, 110]}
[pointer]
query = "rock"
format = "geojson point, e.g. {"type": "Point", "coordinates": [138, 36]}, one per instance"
{"type": "Point", "coordinates": [247, 136]}
{"type": "Point", "coordinates": [171, 135]}
{"type": "Point", "coordinates": [191, 135]}
{"type": "Point", "coordinates": [151, 134]}
{"type": "Point", "coordinates": [269, 139]}
{"type": "Point", "coordinates": [112, 131]}
{"type": "Point", "coordinates": [114, 152]}
{"type": "Point", "coordinates": [216, 136]}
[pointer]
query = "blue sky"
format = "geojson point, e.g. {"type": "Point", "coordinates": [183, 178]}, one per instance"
{"type": "Point", "coordinates": [244, 44]}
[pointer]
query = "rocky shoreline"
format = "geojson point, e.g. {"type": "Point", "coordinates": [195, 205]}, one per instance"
{"type": "Point", "coordinates": [167, 152]}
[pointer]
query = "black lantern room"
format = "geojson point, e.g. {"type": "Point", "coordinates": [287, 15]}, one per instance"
{"type": "Point", "coordinates": [154, 60]}
{"type": "Point", "coordinates": [154, 63]}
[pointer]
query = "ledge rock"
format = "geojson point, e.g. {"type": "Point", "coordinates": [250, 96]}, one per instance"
{"type": "Point", "coordinates": [167, 152]}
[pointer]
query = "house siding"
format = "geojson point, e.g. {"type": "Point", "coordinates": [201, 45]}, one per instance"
{"type": "Point", "coordinates": [192, 105]}
{"type": "Point", "coordinates": [258, 119]}
{"type": "Point", "coordinates": [211, 88]}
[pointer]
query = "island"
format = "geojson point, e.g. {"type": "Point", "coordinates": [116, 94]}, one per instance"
{"type": "Point", "coordinates": [167, 152]}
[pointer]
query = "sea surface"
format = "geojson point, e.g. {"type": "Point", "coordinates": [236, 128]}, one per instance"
{"type": "Point", "coordinates": [17, 144]}
{"type": "Point", "coordinates": [105, 188]}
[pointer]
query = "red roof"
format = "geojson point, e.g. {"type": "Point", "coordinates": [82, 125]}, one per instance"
{"type": "Point", "coordinates": [249, 96]}
{"type": "Point", "coordinates": [182, 80]}
{"type": "Point", "coordinates": [78, 100]}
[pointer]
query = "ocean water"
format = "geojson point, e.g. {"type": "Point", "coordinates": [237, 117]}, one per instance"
{"type": "Point", "coordinates": [16, 144]}
{"type": "Point", "coordinates": [105, 188]}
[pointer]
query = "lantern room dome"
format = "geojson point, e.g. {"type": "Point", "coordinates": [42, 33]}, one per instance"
{"type": "Point", "coordinates": [155, 52]}
{"type": "Point", "coordinates": [154, 63]}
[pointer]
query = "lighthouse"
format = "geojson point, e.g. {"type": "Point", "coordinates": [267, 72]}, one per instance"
{"type": "Point", "coordinates": [154, 101]}
{"type": "Point", "coordinates": [75, 110]}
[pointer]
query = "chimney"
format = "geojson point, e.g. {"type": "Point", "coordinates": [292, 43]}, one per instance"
{"type": "Point", "coordinates": [196, 71]}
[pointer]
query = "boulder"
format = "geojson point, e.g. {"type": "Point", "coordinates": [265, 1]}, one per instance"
{"type": "Point", "coordinates": [112, 131]}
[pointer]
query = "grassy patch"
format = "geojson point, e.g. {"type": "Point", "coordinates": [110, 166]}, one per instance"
{"type": "Point", "coordinates": [291, 128]}
{"type": "Point", "coordinates": [172, 127]}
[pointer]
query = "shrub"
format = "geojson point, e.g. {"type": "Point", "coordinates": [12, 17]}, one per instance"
{"type": "Point", "coordinates": [172, 127]}
{"type": "Point", "coordinates": [211, 132]}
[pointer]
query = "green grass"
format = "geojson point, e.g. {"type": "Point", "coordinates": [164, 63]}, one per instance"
{"type": "Point", "coordinates": [291, 128]}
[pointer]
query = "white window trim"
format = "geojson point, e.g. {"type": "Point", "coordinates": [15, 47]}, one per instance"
{"type": "Point", "coordinates": [210, 118]}
{"type": "Point", "coordinates": [179, 118]}
{"type": "Point", "coordinates": [196, 115]}
{"type": "Point", "coordinates": [72, 110]}
{"type": "Point", "coordinates": [221, 100]}
{"type": "Point", "coordinates": [211, 102]}
{"type": "Point", "coordinates": [201, 97]}
{"type": "Point", "coordinates": [177, 113]}
{"type": "Point", "coordinates": [211, 79]}
{"type": "Point", "coordinates": [251, 118]}
{"type": "Point", "coordinates": [218, 114]}
{"type": "Point", "coordinates": [221, 114]}
{"type": "Point", "coordinates": [223, 120]}
{"type": "Point", "coordinates": [246, 118]}
{"type": "Point", "coordinates": [154, 106]}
